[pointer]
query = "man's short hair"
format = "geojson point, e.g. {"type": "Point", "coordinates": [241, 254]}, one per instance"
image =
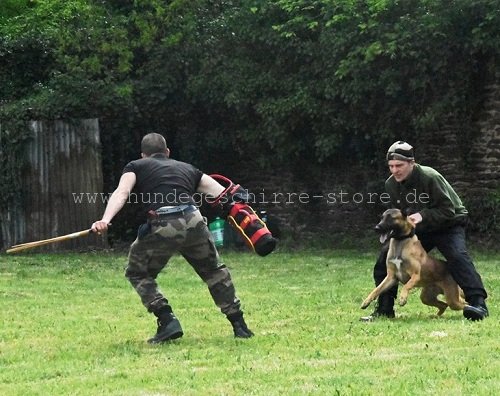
{"type": "Point", "coordinates": [400, 151]}
{"type": "Point", "coordinates": [153, 143]}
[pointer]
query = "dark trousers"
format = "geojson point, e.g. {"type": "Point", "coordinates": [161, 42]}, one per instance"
{"type": "Point", "coordinates": [451, 244]}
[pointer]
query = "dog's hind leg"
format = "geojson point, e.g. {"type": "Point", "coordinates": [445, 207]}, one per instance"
{"type": "Point", "coordinates": [452, 293]}
{"type": "Point", "coordinates": [429, 297]}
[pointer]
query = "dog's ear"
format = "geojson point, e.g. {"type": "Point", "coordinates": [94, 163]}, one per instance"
{"type": "Point", "coordinates": [406, 212]}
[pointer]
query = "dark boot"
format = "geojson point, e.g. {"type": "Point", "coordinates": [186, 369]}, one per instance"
{"type": "Point", "coordinates": [384, 309]}
{"type": "Point", "coordinates": [240, 328]}
{"type": "Point", "coordinates": [169, 328]}
{"type": "Point", "coordinates": [477, 309]}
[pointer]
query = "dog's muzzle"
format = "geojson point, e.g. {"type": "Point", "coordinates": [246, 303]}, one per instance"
{"type": "Point", "coordinates": [383, 231]}
{"type": "Point", "coordinates": [380, 229]}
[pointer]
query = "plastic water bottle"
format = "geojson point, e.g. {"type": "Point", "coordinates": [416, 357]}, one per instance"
{"type": "Point", "coordinates": [263, 216]}
{"type": "Point", "coordinates": [217, 229]}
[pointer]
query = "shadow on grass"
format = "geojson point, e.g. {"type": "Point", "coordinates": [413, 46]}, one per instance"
{"type": "Point", "coordinates": [411, 318]}
{"type": "Point", "coordinates": [135, 346]}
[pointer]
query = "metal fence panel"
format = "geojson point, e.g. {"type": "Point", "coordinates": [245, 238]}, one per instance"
{"type": "Point", "coordinates": [62, 178]}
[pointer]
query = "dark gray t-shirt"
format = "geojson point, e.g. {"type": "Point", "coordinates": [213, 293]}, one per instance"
{"type": "Point", "coordinates": [162, 181]}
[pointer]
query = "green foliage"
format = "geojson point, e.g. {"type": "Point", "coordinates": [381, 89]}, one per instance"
{"type": "Point", "coordinates": [64, 59]}
{"type": "Point", "coordinates": [14, 135]}
{"type": "Point", "coordinates": [300, 78]}
{"type": "Point", "coordinates": [294, 83]}
{"type": "Point", "coordinates": [13, 8]}
{"type": "Point", "coordinates": [316, 79]}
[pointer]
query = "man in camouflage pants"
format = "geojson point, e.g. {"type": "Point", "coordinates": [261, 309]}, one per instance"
{"type": "Point", "coordinates": [174, 225]}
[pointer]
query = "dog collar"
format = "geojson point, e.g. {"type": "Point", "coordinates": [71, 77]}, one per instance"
{"type": "Point", "coordinates": [400, 238]}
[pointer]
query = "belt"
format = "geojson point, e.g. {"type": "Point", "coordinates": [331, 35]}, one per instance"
{"type": "Point", "coordinates": [165, 211]}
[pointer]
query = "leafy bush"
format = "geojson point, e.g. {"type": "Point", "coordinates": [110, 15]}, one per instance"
{"type": "Point", "coordinates": [292, 83]}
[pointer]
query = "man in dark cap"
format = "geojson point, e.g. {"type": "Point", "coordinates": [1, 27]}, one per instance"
{"type": "Point", "coordinates": [440, 219]}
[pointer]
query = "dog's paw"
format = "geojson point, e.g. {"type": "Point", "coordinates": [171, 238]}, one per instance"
{"type": "Point", "coordinates": [365, 304]}
{"type": "Point", "coordinates": [403, 300]}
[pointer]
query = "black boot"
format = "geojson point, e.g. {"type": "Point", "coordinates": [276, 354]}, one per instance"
{"type": "Point", "coordinates": [477, 309]}
{"type": "Point", "coordinates": [240, 328]}
{"type": "Point", "coordinates": [384, 309]}
{"type": "Point", "coordinates": [169, 328]}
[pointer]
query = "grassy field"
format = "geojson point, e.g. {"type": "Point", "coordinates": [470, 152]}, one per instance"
{"type": "Point", "coordinates": [72, 325]}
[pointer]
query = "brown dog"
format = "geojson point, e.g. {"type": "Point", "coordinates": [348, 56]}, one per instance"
{"type": "Point", "coordinates": [408, 263]}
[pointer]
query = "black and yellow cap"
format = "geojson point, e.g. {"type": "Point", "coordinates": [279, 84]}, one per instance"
{"type": "Point", "coordinates": [400, 151]}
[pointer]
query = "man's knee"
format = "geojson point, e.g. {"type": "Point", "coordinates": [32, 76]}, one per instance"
{"type": "Point", "coordinates": [134, 274]}
{"type": "Point", "coordinates": [220, 285]}
{"type": "Point", "coordinates": [457, 258]}
{"type": "Point", "coordinates": [218, 276]}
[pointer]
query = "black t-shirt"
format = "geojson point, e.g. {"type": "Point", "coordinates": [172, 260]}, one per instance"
{"type": "Point", "coordinates": [162, 181]}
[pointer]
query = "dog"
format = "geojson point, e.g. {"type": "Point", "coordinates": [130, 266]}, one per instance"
{"type": "Point", "coordinates": [408, 263]}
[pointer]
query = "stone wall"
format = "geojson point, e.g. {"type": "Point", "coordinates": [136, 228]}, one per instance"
{"type": "Point", "coordinates": [331, 202]}
{"type": "Point", "coordinates": [468, 155]}
{"type": "Point", "coordinates": [485, 152]}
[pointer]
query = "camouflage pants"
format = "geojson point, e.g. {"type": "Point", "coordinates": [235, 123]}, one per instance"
{"type": "Point", "coordinates": [189, 235]}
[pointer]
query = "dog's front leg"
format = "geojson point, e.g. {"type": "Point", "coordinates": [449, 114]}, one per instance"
{"type": "Point", "coordinates": [405, 291]}
{"type": "Point", "coordinates": [389, 281]}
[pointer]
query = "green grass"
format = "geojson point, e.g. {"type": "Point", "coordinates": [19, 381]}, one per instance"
{"type": "Point", "coordinates": [72, 325]}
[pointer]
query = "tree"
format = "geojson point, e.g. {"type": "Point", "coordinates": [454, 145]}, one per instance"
{"type": "Point", "coordinates": [293, 83]}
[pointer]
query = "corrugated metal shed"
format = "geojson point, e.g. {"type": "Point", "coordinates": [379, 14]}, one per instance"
{"type": "Point", "coordinates": [62, 186]}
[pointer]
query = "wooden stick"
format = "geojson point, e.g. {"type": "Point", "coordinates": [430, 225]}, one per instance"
{"type": "Point", "coordinates": [29, 245]}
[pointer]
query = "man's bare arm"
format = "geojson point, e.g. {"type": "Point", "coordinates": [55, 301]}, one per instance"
{"type": "Point", "coordinates": [116, 201]}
